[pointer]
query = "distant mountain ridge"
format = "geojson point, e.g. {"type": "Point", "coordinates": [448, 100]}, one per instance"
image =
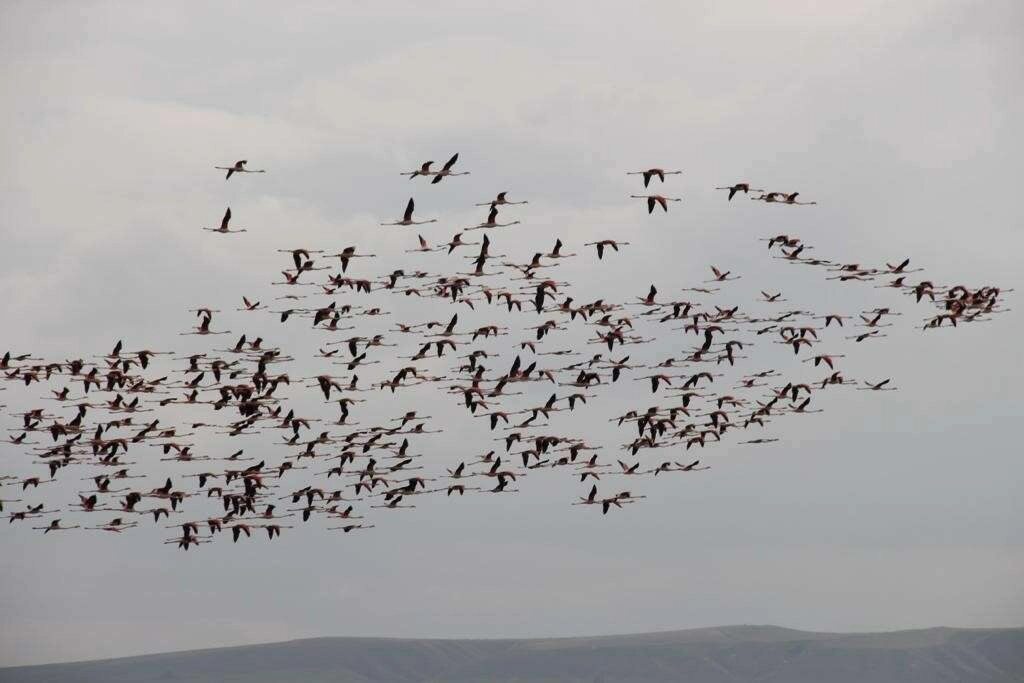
{"type": "Point", "coordinates": [731, 654]}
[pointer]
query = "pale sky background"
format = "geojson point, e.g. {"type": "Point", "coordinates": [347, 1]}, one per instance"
{"type": "Point", "coordinates": [902, 120]}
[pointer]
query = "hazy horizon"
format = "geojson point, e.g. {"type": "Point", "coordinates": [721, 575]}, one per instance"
{"type": "Point", "coordinates": [714, 655]}
{"type": "Point", "coordinates": [542, 637]}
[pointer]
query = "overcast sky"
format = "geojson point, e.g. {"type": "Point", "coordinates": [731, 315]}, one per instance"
{"type": "Point", "coordinates": [887, 511]}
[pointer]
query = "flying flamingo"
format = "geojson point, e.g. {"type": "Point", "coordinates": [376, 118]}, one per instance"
{"type": "Point", "coordinates": [491, 222]}
{"type": "Point", "coordinates": [656, 199]}
{"type": "Point", "coordinates": [456, 242]}
{"type": "Point", "coordinates": [738, 187]}
{"type": "Point", "coordinates": [223, 229]}
{"type": "Point", "coordinates": [407, 217]}
{"type": "Point", "coordinates": [605, 243]}
{"type": "Point", "coordinates": [653, 173]}
{"type": "Point", "coordinates": [721, 276]}
{"type": "Point", "coordinates": [239, 167]}
{"type": "Point", "coordinates": [423, 246]}
{"type": "Point", "coordinates": [791, 199]}
{"type": "Point", "coordinates": [500, 200]}
{"type": "Point", "coordinates": [423, 170]}
{"type": "Point", "coordinates": [446, 170]}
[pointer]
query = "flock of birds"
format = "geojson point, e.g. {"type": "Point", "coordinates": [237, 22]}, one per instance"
{"type": "Point", "coordinates": [130, 436]}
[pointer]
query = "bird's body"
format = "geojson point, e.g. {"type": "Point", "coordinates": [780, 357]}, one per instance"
{"type": "Point", "coordinates": [738, 187]}
{"type": "Point", "coordinates": [238, 167]}
{"type": "Point", "coordinates": [654, 200]}
{"type": "Point", "coordinates": [658, 173]}
{"type": "Point", "coordinates": [224, 222]}
{"type": "Point", "coordinates": [407, 218]}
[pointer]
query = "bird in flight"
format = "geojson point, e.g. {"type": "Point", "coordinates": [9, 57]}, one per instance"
{"type": "Point", "coordinates": [239, 167]}
{"type": "Point", "coordinates": [446, 170]}
{"type": "Point", "coordinates": [407, 216]}
{"type": "Point", "coordinates": [656, 200]}
{"type": "Point", "coordinates": [653, 173]}
{"type": "Point", "coordinates": [224, 229]}
{"type": "Point", "coordinates": [738, 187]}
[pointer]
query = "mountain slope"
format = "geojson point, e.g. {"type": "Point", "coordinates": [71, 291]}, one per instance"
{"type": "Point", "coordinates": [732, 654]}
